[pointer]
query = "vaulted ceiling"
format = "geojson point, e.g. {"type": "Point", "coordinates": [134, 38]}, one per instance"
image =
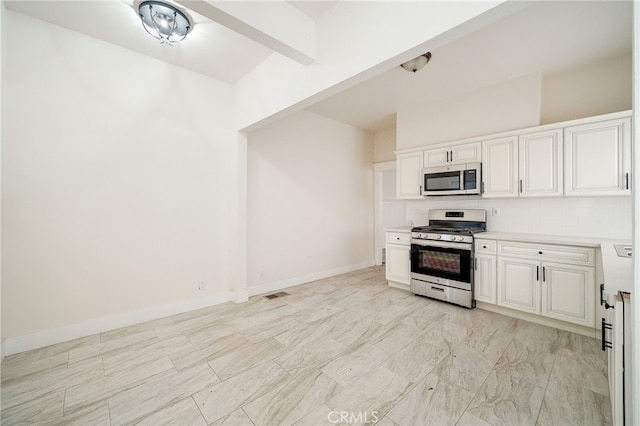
{"type": "Point", "coordinates": [547, 36]}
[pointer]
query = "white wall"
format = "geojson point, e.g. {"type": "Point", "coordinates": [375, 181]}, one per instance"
{"type": "Point", "coordinates": [356, 41]}
{"type": "Point", "coordinates": [592, 89]}
{"type": "Point", "coordinates": [384, 145]}
{"type": "Point", "coordinates": [602, 217]}
{"type": "Point", "coordinates": [118, 195]}
{"type": "Point", "coordinates": [510, 105]}
{"type": "Point", "coordinates": [310, 201]}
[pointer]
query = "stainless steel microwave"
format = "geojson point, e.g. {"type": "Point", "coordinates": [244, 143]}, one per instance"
{"type": "Point", "coordinates": [457, 179]}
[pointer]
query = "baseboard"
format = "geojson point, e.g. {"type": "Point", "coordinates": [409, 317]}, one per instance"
{"type": "Point", "coordinates": [550, 322]}
{"type": "Point", "coordinates": [290, 282]}
{"type": "Point", "coordinates": [240, 296]}
{"type": "Point", "coordinates": [13, 345]}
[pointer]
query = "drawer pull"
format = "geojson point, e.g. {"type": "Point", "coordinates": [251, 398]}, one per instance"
{"type": "Point", "coordinates": [539, 252]}
{"type": "Point", "coordinates": [602, 301]}
{"type": "Point", "coordinates": [484, 246]}
{"type": "Point", "coordinates": [438, 289]}
{"type": "Point", "coordinates": [605, 326]}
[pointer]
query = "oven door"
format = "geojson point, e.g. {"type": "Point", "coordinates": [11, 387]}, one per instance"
{"type": "Point", "coordinates": [442, 262]}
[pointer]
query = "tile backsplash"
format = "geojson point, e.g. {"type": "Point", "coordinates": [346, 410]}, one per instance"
{"type": "Point", "coordinates": [602, 217]}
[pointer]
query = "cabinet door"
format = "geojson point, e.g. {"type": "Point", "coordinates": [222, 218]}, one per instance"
{"type": "Point", "coordinates": [615, 359]}
{"type": "Point", "coordinates": [598, 158]}
{"type": "Point", "coordinates": [484, 286]}
{"type": "Point", "coordinates": [518, 284]}
{"type": "Point", "coordinates": [437, 157]}
{"type": "Point", "coordinates": [500, 167]}
{"type": "Point", "coordinates": [540, 164]}
{"type": "Point", "coordinates": [466, 153]}
{"type": "Point", "coordinates": [568, 293]}
{"type": "Point", "coordinates": [409, 175]}
{"type": "Point", "coordinates": [397, 263]}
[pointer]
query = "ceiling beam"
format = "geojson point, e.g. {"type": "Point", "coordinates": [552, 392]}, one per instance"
{"type": "Point", "coordinates": [275, 24]}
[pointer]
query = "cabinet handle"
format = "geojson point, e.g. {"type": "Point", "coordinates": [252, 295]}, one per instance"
{"type": "Point", "coordinates": [452, 156]}
{"type": "Point", "coordinates": [537, 273]}
{"type": "Point", "coordinates": [520, 185]}
{"type": "Point", "coordinates": [605, 326]}
{"type": "Point", "coordinates": [447, 156]}
{"type": "Point", "coordinates": [544, 275]}
{"type": "Point", "coordinates": [475, 263]}
{"type": "Point", "coordinates": [626, 180]}
{"type": "Point", "coordinates": [437, 289]}
{"type": "Point", "coordinates": [602, 301]}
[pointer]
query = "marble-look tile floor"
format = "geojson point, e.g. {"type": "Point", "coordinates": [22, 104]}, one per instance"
{"type": "Point", "coordinates": [342, 350]}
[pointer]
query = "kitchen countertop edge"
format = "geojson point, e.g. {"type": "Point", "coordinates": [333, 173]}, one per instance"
{"type": "Point", "coordinates": [405, 229]}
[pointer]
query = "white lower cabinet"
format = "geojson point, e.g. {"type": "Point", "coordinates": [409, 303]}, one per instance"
{"type": "Point", "coordinates": [485, 279]}
{"type": "Point", "coordinates": [613, 341]}
{"type": "Point", "coordinates": [550, 280]}
{"type": "Point", "coordinates": [568, 293]}
{"type": "Point", "coordinates": [484, 285]}
{"type": "Point", "coordinates": [397, 263]}
{"type": "Point", "coordinates": [518, 284]}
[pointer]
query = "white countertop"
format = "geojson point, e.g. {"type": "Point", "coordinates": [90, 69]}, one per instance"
{"type": "Point", "coordinates": [406, 229]}
{"type": "Point", "coordinates": [617, 271]}
{"type": "Point", "coordinates": [540, 238]}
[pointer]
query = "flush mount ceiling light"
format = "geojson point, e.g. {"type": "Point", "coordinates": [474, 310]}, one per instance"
{"type": "Point", "coordinates": [164, 21]}
{"type": "Point", "coordinates": [417, 63]}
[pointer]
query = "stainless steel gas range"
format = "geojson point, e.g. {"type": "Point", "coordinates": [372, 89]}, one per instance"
{"type": "Point", "coordinates": [442, 255]}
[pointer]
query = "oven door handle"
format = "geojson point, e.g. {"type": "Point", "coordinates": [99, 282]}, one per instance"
{"type": "Point", "coordinates": [442, 244]}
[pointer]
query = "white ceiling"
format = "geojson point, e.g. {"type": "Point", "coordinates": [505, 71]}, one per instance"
{"type": "Point", "coordinates": [547, 36]}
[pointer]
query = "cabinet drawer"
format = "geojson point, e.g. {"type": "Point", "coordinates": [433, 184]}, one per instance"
{"type": "Point", "coordinates": [399, 238]}
{"type": "Point", "coordinates": [485, 246]}
{"type": "Point", "coordinates": [556, 253]}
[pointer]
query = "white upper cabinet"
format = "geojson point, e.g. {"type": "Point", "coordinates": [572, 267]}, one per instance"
{"type": "Point", "coordinates": [598, 158]}
{"type": "Point", "coordinates": [409, 175]}
{"type": "Point", "coordinates": [540, 164]}
{"type": "Point", "coordinates": [583, 157]}
{"type": "Point", "coordinates": [500, 167]}
{"type": "Point", "coordinates": [457, 154]}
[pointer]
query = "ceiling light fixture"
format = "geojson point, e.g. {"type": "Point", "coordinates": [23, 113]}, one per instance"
{"type": "Point", "coordinates": [417, 63]}
{"type": "Point", "coordinates": [164, 21]}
